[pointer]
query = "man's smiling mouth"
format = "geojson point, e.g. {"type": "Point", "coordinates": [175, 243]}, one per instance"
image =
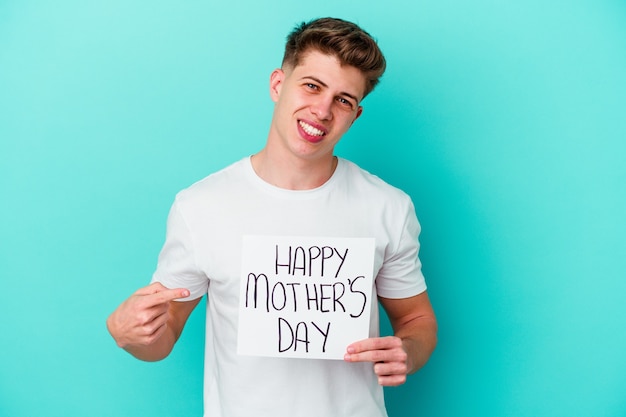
{"type": "Point", "coordinates": [313, 131]}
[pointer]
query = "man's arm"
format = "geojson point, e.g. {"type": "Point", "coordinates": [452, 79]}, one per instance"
{"type": "Point", "coordinates": [149, 322]}
{"type": "Point", "coordinates": [415, 336]}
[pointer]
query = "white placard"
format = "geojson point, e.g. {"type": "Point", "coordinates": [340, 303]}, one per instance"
{"type": "Point", "coordinates": [304, 297]}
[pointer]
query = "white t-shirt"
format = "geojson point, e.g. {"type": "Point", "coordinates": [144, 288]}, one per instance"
{"type": "Point", "coordinates": [202, 253]}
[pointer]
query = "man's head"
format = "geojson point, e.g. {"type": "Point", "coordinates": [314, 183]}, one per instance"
{"type": "Point", "coordinates": [344, 40]}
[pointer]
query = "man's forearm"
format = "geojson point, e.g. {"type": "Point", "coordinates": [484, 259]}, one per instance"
{"type": "Point", "coordinates": [148, 323]}
{"type": "Point", "coordinates": [413, 321]}
{"type": "Point", "coordinates": [158, 350]}
{"type": "Point", "coordinates": [155, 350]}
{"type": "Point", "coordinates": [419, 338]}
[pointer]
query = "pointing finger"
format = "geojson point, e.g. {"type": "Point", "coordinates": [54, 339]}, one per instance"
{"type": "Point", "coordinates": [170, 295]}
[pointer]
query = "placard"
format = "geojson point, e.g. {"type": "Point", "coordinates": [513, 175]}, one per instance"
{"type": "Point", "coordinates": [304, 297]}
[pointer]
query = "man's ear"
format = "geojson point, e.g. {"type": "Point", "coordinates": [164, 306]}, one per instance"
{"type": "Point", "coordinates": [276, 83]}
{"type": "Point", "coordinates": [358, 114]}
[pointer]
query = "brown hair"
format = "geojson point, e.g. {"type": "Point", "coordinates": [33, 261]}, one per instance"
{"type": "Point", "coordinates": [350, 44]}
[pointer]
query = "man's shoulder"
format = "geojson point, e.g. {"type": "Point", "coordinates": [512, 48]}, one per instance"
{"type": "Point", "coordinates": [217, 182]}
{"type": "Point", "coordinates": [369, 184]}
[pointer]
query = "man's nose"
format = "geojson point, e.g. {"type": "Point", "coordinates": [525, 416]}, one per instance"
{"type": "Point", "coordinates": [323, 107]}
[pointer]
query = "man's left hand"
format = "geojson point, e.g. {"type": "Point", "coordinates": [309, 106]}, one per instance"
{"type": "Point", "coordinates": [386, 353]}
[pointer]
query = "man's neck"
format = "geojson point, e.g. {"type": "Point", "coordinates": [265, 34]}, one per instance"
{"type": "Point", "coordinates": [293, 174]}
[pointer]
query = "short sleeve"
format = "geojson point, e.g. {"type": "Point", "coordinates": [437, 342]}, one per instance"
{"type": "Point", "coordinates": [177, 266]}
{"type": "Point", "coordinates": [401, 273]}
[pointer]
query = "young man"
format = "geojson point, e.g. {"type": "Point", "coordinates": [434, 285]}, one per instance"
{"type": "Point", "coordinates": [294, 186]}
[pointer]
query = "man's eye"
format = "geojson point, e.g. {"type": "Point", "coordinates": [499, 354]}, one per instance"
{"type": "Point", "coordinates": [344, 102]}
{"type": "Point", "coordinates": [311, 86]}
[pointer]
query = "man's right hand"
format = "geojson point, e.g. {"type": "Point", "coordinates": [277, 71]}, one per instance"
{"type": "Point", "coordinates": [143, 317]}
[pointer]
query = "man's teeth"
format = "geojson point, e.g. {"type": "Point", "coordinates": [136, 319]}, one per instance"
{"type": "Point", "coordinates": [311, 130]}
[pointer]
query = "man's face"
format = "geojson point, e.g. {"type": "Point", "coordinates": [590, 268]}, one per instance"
{"type": "Point", "coordinates": [316, 103]}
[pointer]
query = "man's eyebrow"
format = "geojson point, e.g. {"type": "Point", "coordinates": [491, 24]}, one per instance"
{"type": "Point", "coordinates": [323, 84]}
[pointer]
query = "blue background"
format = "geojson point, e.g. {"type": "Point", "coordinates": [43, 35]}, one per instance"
{"type": "Point", "coordinates": [504, 120]}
